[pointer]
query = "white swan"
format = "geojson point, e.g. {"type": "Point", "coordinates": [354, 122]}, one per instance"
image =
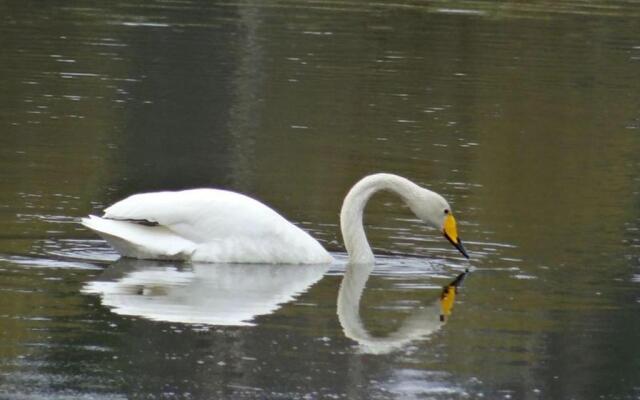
{"type": "Point", "coordinates": [210, 225]}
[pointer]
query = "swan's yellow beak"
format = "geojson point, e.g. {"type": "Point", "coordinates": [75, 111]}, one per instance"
{"type": "Point", "coordinates": [450, 231]}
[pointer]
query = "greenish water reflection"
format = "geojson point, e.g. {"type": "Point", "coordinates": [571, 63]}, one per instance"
{"type": "Point", "coordinates": [524, 115]}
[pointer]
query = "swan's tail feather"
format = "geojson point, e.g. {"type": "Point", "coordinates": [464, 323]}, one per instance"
{"type": "Point", "coordinates": [135, 240]}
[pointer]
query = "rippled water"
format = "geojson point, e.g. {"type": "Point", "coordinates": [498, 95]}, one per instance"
{"type": "Point", "coordinates": [524, 115]}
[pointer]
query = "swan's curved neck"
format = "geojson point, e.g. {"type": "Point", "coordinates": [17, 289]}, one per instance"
{"type": "Point", "coordinates": [353, 206]}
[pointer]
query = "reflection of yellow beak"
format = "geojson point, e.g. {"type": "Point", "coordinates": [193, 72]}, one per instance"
{"type": "Point", "coordinates": [450, 231]}
{"type": "Point", "coordinates": [447, 299]}
{"type": "Point", "coordinates": [448, 296]}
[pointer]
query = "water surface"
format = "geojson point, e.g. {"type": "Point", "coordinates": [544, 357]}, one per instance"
{"type": "Point", "coordinates": [525, 116]}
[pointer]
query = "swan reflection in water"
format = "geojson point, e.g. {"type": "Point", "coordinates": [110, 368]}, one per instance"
{"type": "Point", "coordinates": [423, 321]}
{"type": "Point", "coordinates": [212, 294]}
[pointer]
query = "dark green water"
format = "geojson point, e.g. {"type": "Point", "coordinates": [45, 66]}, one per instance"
{"type": "Point", "coordinates": [524, 115]}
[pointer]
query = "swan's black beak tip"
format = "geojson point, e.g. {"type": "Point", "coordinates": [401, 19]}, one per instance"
{"type": "Point", "coordinates": [458, 245]}
{"type": "Point", "coordinates": [461, 248]}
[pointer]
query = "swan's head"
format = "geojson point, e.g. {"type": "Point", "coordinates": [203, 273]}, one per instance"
{"type": "Point", "coordinates": [434, 210]}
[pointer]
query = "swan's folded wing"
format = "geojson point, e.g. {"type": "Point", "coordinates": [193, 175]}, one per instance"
{"type": "Point", "coordinates": [198, 214]}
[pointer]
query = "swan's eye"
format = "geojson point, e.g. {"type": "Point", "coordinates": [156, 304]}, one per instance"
{"type": "Point", "coordinates": [446, 211]}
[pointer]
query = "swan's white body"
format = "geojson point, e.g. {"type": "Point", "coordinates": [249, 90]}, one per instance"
{"type": "Point", "coordinates": [206, 225]}
{"type": "Point", "coordinates": [210, 225]}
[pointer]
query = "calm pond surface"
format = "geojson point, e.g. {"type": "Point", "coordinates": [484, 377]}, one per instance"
{"type": "Point", "coordinates": [524, 115]}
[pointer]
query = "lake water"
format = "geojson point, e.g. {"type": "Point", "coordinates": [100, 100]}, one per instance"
{"type": "Point", "coordinates": [524, 115]}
